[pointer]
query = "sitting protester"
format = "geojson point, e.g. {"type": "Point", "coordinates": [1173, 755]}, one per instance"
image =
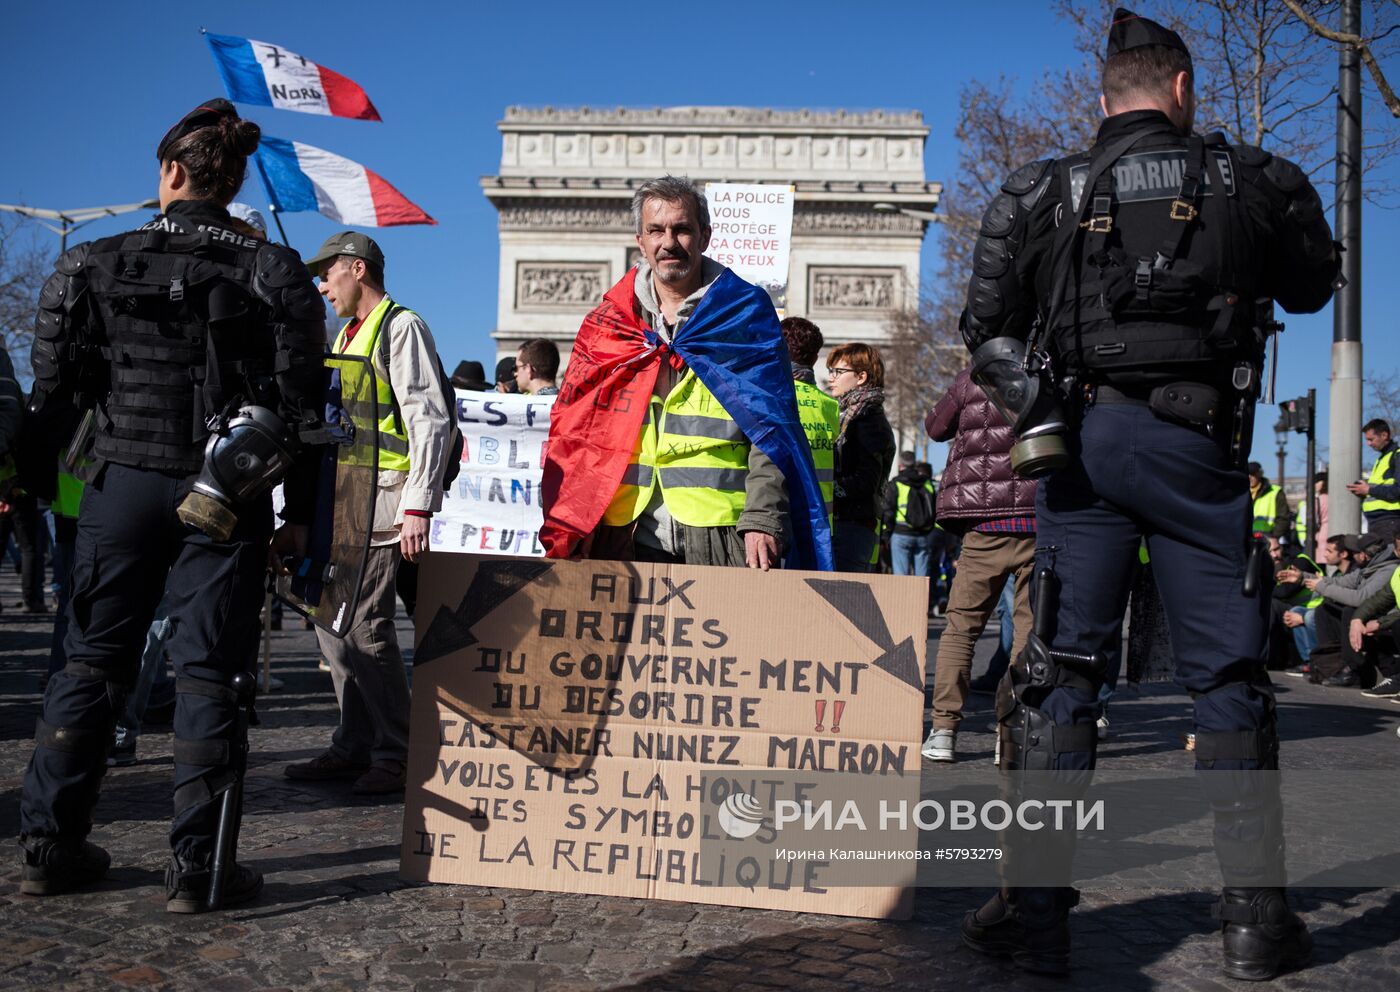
{"type": "Point", "coordinates": [1374, 625]}
{"type": "Point", "coordinates": [1293, 603]}
{"type": "Point", "coordinates": [1334, 661]}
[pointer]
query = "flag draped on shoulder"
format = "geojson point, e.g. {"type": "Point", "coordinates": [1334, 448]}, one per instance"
{"type": "Point", "coordinates": [596, 417]}
{"type": "Point", "coordinates": [262, 73]}
{"type": "Point", "coordinates": [302, 177]}
{"type": "Point", "coordinates": [735, 346]}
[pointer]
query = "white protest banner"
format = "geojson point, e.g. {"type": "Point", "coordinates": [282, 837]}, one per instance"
{"type": "Point", "coordinates": [752, 233]}
{"type": "Point", "coordinates": [493, 506]}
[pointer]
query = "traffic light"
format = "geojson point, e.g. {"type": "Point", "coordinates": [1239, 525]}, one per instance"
{"type": "Point", "coordinates": [1295, 415]}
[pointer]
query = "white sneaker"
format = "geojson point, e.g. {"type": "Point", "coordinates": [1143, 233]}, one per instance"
{"type": "Point", "coordinates": [939, 746]}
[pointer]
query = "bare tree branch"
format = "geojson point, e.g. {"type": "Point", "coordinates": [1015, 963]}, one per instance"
{"type": "Point", "coordinates": [24, 265]}
{"type": "Point", "coordinates": [1383, 399]}
{"type": "Point", "coordinates": [1303, 109]}
{"type": "Point", "coordinates": [1363, 48]}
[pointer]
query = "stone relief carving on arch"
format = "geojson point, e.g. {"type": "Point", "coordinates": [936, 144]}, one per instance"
{"type": "Point", "coordinates": [559, 285]}
{"type": "Point", "coordinates": [852, 288]}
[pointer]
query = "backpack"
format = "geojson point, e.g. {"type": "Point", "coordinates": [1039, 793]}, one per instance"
{"type": "Point", "coordinates": [455, 441]}
{"type": "Point", "coordinates": [919, 513]}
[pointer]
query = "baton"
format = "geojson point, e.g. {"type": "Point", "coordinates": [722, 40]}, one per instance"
{"type": "Point", "coordinates": [1251, 567]}
{"type": "Point", "coordinates": [225, 836]}
{"type": "Point", "coordinates": [1044, 603]}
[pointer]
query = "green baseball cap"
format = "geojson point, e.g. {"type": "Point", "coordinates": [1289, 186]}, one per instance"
{"type": "Point", "coordinates": [351, 243]}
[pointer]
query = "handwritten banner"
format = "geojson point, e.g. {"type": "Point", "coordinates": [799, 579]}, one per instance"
{"type": "Point", "coordinates": [493, 506]}
{"type": "Point", "coordinates": [573, 723]}
{"type": "Point", "coordinates": [752, 233]}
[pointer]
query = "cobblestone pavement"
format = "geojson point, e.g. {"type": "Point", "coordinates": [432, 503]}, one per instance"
{"type": "Point", "coordinates": [336, 916]}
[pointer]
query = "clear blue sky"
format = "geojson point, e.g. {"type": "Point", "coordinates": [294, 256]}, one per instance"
{"type": "Point", "coordinates": [94, 85]}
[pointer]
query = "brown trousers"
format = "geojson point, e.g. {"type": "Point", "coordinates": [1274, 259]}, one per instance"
{"type": "Point", "coordinates": [983, 567]}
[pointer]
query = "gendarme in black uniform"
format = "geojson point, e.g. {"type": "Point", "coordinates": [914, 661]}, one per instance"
{"type": "Point", "coordinates": [162, 331]}
{"type": "Point", "coordinates": [1150, 262]}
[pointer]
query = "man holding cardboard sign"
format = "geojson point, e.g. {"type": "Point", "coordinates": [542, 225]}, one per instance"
{"type": "Point", "coordinates": [676, 438]}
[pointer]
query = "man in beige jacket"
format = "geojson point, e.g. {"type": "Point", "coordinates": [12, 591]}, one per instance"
{"type": "Point", "coordinates": [370, 745]}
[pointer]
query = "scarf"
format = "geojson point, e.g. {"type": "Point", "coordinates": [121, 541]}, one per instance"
{"type": "Point", "coordinates": [857, 401]}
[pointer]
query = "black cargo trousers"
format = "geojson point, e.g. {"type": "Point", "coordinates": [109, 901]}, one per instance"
{"type": "Point", "coordinates": [130, 547]}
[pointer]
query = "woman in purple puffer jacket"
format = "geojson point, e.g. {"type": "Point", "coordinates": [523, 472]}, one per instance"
{"type": "Point", "coordinates": [993, 510]}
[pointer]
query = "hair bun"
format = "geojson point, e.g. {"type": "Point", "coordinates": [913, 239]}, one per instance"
{"type": "Point", "coordinates": [242, 135]}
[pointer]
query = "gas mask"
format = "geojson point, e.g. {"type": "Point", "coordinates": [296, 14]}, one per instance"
{"type": "Point", "coordinates": [241, 462]}
{"type": "Point", "coordinates": [1024, 393]}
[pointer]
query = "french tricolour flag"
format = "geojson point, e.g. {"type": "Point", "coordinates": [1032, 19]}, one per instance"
{"type": "Point", "coordinates": [262, 73]}
{"type": "Point", "coordinates": [302, 177]}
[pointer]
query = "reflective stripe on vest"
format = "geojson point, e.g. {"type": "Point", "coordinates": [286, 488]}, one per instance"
{"type": "Point", "coordinates": [690, 446]}
{"type": "Point", "coordinates": [821, 422]}
{"type": "Point", "coordinates": [1266, 510]}
{"type": "Point", "coordinates": [1377, 477]}
{"type": "Point", "coordinates": [393, 435]}
{"type": "Point", "coordinates": [634, 492]}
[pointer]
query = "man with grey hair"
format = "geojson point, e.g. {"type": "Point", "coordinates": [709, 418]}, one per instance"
{"type": "Point", "coordinates": [695, 490]}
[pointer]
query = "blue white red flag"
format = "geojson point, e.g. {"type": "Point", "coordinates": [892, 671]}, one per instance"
{"type": "Point", "coordinates": [302, 177]}
{"type": "Point", "coordinates": [260, 72]}
{"type": "Point", "coordinates": [735, 345]}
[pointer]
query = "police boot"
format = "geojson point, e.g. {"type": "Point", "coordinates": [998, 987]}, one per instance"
{"type": "Point", "coordinates": [187, 885]}
{"type": "Point", "coordinates": [1030, 926]}
{"type": "Point", "coordinates": [52, 867]}
{"type": "Point", "coordinates": [1262, 937]}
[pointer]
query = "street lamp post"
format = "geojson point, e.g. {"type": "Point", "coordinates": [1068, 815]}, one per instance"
{"type": "Point", "coordinates": [1344, 434]}
{"type": "Point", "coordinates": [70, 220]}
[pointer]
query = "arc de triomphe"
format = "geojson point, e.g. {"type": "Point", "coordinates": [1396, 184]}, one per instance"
{"type": "Point", "coordinates": [567, 176]}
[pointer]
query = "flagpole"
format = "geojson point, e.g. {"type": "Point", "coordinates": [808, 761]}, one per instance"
{"type": "Point", "coordinates": [280, 229]}
{"type": "Point", "coordinates": [271, 199]}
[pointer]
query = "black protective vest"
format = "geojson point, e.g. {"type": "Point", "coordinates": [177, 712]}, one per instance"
{"type": "Point", "coordinates": [183, 340]}
{"type": "Point", "coordinates": [1151, 273]}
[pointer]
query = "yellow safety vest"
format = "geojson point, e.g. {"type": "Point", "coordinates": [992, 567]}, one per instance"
{"type": "Point", "coordinates": [901, 512]}
{"type": "Point", "coordinates": [1377, 477]}
{"type": "Point", "coordinates": [820, 415]}
{"type": "Point", "coordinates": [691, 447]}
{"type": "Point", "coordinates": [1395, 585]}
{"type": "Point", "coordinates": [393, 435]}
{"type": "Point", "coordinates": [1266, 510]}
{"type": "Point", "coordinates": [69, 495]}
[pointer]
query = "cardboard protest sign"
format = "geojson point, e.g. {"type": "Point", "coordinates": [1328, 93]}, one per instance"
{"type": "Point", "coordinates": [493, 506]}
{"type": "Point", "coordinates": [574, 723]}
{"type": "Point", "coordinates": [751, 228]}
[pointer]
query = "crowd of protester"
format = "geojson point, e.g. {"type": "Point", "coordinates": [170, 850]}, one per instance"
{"type": "Point", "coordinates": [756, 480]}
{"type": "Point", "coordinates": [970, 531]}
